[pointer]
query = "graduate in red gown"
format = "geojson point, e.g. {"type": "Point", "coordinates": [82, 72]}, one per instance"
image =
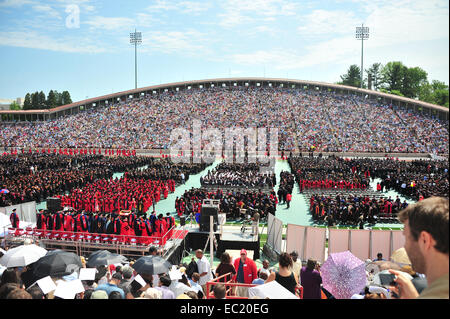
{"type": "Point", "coordinates": [161, 226]}
{"type": "Point", "coordinates": [170, 222]}
{"type": "Point", "coordinates": [69, 223]}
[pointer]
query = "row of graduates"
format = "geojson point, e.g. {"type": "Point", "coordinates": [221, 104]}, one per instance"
{"type": "Point", "coordinates": [73, 151]}
{"type": "Point", "coordinates": [131, 224]}
{"type": "Point", "coordinates": [329, 184]}
{"type": "Point", "coordinates": [112, 196]}
{"type": "Point", "coordinates": [353, 209]}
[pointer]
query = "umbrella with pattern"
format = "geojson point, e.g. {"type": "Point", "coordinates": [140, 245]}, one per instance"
{"type": "Point", "coordinates": [343, 275]}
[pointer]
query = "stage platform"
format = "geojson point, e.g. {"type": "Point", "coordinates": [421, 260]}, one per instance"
{"type": "Point", "coordinates": [227, 238]}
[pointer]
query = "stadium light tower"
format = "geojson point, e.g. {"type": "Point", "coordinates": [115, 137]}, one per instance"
{"type": "Point", "coordinates": [135, 38]}
{"type": "Point", "coordinates": [362, 33]}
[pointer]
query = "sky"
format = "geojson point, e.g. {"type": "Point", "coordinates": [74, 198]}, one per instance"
{"type": "Point", "coordinates": [83, 46]}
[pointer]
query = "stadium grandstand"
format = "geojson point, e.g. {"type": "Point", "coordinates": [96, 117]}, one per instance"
{"type": "Point", "coordinates": [327, 117]}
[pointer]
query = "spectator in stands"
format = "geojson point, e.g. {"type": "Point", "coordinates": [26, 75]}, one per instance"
{"type": "Point", "coordinates": [151, 293]}
{"type": "Point", "coordinates": [379, 257]}
{"type": "Point", "coordinates": [204, 269]}
{"type": "Point", "coordinates": [265, 268]}
{"type": "Point", "coordinates": [194, 283]}
{"type": "Point", "coordinates": [19, 294]}
{"type": "Point", "coordinates": [311, 280]}
{"type": "Point", "coordinates": [112, 285]}
{"type": "Point", "coordinates": [127, 274]}
{"type": "Point", "coordinates": [115, 295]}
{"type": "Point", "coordinates": [262, 277]}
{"type": "Point", "coordinates": [284, 276]}
{"type": "Point", "coordinates": [10, 276]}
{"type": "Point", "coordinates": [296, 263]}
{"type": "Point", "coordinates": [36, 292]}
{"type": "Point", "coordinates": [219, 291]}
{"type": "Point", "coordinates": [426, 243]}
{"type": "Point", "coordinates": [99, 294]}
{"type": "Point", "coordinates": [163, 287]}
{"type": "Point", "coordinates": [5, 289]}
{"type": "Point", "coordinates": [246, 272]}
{"type": "Point", "coordinates": [225, 267]}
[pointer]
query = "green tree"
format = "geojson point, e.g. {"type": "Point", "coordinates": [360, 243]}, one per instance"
{"type": "Point", "coordinates": [352, 77]}
{"type": "Point", "coordinates": [51, 100]}
{"type": "Point", "coordinates": [440, 93]}
{"type": "Point", "coordinates": [392, 75]}
{"type": "Point", "coordinates": [14, 106]}
{"type": "Point", "coordinates": [58, 98]}
{"type": "Point", "coordinates": [413, 79]}
{"type": "Point", "coordinates": [42, 103]}
{"type": "Point", "coordinates": [27, 102]}
{"type": "Point", "coordinates": [35, 100]}
{"type": "Point", "coordinates": [66, 98]}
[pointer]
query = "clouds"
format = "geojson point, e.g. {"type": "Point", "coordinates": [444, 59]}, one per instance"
{"type": "Point", "coordinates": [188, 43]}
{"type": "Point", "coordinates": [324, 22]}
{"type": "Point", "coordinates": [184, 7]}
{"type": "Point", "coordinates": [37, 40]}
{"type": "Point", "coordinates": [240, 12]}
{"type": "Point", "coordinates": [283, 35]}
{"type": "Point", "coordinates": [110, 23]}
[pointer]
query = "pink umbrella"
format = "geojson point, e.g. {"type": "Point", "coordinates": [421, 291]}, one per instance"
{"type": "Point", "coordinates": [343, 275]}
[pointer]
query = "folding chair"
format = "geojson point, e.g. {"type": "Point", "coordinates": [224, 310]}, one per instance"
{"type": "Point", "coordinates": [106, 239]}
{"type": "Point", "coordinates": [55, 235]}
{"type": "Point", "coordinates": [65, 235]}
{"type": "Point", "coordinates": [133, 240]}
{"type": "Point", "coordinates": [97, 238]}
{"type": "Point", "coordinates": [73, 237]}
{"type": "Point", "coordinates": [19, 232]}
{"type": "Point", "coordinates": [89, 237]}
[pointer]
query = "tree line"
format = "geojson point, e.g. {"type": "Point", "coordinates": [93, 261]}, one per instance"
{"type": "Point", "coordinates": [38, 100]}
{"type": "Point", "coordinates": [396, 78]}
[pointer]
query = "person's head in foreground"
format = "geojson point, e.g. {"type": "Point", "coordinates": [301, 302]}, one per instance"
{"type": "Point", "coordinates": [219, 291]}
{"type": "Point", "coordinates": [426, 243]}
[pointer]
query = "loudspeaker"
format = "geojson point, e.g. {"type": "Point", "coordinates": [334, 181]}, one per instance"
{"type": "Point", "coordinates": [205, 227]}
{"type": "Point", "coordinates": [182, 220]}
{"type": "Point", "coordinates": [209, 211]}
{"type": "Point", "coordinates": [53, 204]}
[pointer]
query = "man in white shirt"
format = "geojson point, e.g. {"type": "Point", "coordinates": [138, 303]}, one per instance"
{"type": "Point", "coordinates": [204, 269]}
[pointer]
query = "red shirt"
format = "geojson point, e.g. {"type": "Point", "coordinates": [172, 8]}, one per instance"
{"type": "Point", "coordinates": [249, 269]}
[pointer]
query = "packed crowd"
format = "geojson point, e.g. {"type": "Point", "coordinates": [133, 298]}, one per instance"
{"type": "Point", "coordinates": [353, 210]}
{"type": "Point", "coordinates": [330, 172]}
{"type": "Point", "coordinates": [238, 175]}
{"type": "Point", "coordinates": [324, 120]}
{"type": "Point", "coordinates": [35, 177]}
{"type": "Point", "coordinates": [112, 196]}
{"type": "Point", "coordinates": [164, 169]}
{"type": "Point", "coordinates": [231, 202]}
{"type": "Point", "coordinates": [413, 179]}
